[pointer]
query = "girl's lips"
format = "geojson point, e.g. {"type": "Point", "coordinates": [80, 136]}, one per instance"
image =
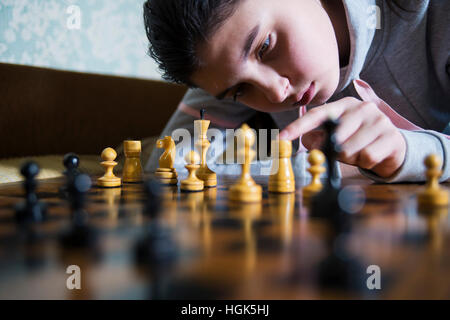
{"type": "Point", "coordinates": [306, 97]}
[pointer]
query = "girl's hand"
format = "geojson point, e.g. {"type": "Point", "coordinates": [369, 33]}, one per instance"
{"type": "Point", "coordinates": [368, 138]}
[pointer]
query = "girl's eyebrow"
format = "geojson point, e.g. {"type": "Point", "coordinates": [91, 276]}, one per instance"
{"type": "Point", "coordinates": [245, 53]}
{"type": "Point", "coordinates": [249, 41]}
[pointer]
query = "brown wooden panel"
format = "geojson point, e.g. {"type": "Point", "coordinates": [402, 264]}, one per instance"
{"type": "Point", "coordinates": [44, 111]}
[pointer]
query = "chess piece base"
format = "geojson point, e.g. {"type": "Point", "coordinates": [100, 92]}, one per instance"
{"type": "Point", "coordinates": [191, 185]}
{"type": "Point", "coordinates": [208, 177]}
{"type": "Point", "coordinates": [278, 186]}
{"type": "Point", "coordinates": [309, 191]}
{"type": "Point", "coordinates": [167, 176]}
{"type": "Point", "coordinates": [433, 198]}
{"type": "Point", "coordinates": [109, 182]}
{"type": "Point", "coordinates": [246, 193]}
{"type": "Point", "coordinates": [130, 180]}
{"type": "Point", "coordinates": [168, 181]}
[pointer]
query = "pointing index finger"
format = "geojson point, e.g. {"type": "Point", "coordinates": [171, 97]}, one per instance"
{"type": "Point", "coordinates": [315, 117]}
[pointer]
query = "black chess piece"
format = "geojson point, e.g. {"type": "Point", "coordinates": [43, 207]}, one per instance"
{"type": "Point", "coordinates": [80, 235]}
{"type": "Point", "coordinates": [71, 162]}
{"type": "Point", "coordinates": [326, 203]}
{"type": "Point", "coordinates": [156, 251]}
{"type": "Point", "coordinates": [152, 206]}
{"type": "Point", "coordinates": [31, 210]}
{"type": "Point", "coordinates": [339, 269]}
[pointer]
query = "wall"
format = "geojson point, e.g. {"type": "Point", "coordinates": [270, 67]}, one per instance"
{"type": "Point", "coordinates": [96, 36]}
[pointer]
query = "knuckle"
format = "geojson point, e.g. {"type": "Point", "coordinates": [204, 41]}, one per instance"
{"type": "Point", "coordinates": [383, 121]}
{"type": "Point", "coordinates": [346, 154]}
{"type": "Point", "coordinates": [368, 159]}
{"type": "Point", "coordinates": [369, 107]}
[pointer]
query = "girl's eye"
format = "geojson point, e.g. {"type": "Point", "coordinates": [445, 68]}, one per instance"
{"type": "Point", "coordinates": [265, 46]}
{"type": "Point", "coordinates": [239, 92]}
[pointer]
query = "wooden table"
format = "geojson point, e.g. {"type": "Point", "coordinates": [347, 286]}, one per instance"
{"type": "Point", "coordinates": [268, 250]}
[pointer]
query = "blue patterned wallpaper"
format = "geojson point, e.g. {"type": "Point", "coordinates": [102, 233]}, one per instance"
{"type": "Point", "coordinates": [98, 36]}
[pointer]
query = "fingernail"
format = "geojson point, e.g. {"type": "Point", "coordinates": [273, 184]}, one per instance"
{"type": "Point", "coordinates": [283, 135]}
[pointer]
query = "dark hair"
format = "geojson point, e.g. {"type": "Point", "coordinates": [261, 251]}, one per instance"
{"type": "Point", "coordinates": [175, 29]}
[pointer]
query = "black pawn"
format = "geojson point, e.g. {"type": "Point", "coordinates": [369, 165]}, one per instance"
{"type": "Point", "coordinates": [71, 162]}
{"type": "Point", "coordinates": [80, 235]}
{"type": "Point", "coordinates": [326, 203]}
{"type": "Point", "coordinates": [156, 251]}
{"type": "Point", "coordinates": [31, 210]}
{"type": "Point", "coordinates": [152, 190]}
{"type": "Point", "coordinates": [157, 247]}
{"type": "Point", "coordinates": [339, 269]}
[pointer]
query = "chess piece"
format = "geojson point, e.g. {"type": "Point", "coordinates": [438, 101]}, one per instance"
{"type": "Point", "coordinates": [152, 199]}
{"type": "Point", "coordinates": [109, 180]}
{"type": "Point", "coordinates": [132, 168]}
{"type": "Point", "coordinates": [166, 173]}
{"type": "Point", "coordinates": [204, 173]}
{"type": "Point", "coordinates": [80, 235]}
{"type": "Point", "coordinates": [156, 251]}
{"type": "Point", "coordinates": [325, 204]}
{"type": "Point", "coordinates": [316, 158]}
{"type": "Point", "coordinates": [155, 254]}
{"type": "Point", "coordinates": [339, 269]}
{"type": "Point", "coordinates": [192, 182]}
{"type": "Point", "coordinates": [71, 162]}
{"type": "Point", "coordinates": [31, 210]}
{"type": "Point", "coordinates": [282, 178]}
{"type": "Point", "coordinates": [246, 190]}
{"type": "Point", "coordinates": [433, 195]}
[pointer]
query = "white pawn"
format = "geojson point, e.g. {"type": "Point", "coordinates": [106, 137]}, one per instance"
{"type": "Point", "coordinates": [245, 189]}
{"type": "Point", "coordinates": [109, 180]}
{"type": "Point", "coordinates": [281, 179]}
{"type": "Point", "coordinates": [433, 195]}
{"type": "Point", "coordinates": [192, 182]}
{"type": "Point", "coordinates": [316, 159]}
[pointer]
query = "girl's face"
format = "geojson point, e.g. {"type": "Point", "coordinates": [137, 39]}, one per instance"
{"type": "Point", "coordinates": [272, 56]}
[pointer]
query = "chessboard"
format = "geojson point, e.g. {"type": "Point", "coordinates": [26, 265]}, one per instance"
{"type": "Point", "coordinates": [201, 245]}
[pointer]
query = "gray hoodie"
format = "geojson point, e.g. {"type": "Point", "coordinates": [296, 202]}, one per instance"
{"type": "Point", "coordinates": [405, 57]}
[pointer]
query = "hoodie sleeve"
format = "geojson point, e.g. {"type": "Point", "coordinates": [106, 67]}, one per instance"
{"type": "Point", "coordinates": [419, 144]}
